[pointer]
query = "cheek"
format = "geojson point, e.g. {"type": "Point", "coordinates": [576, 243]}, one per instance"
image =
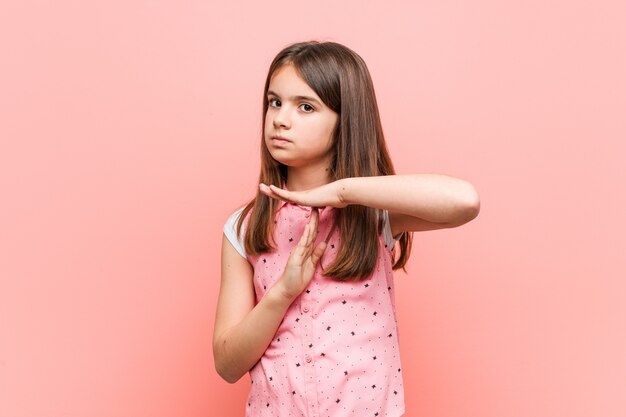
{"type": "Point", "coordinates": [330, 133]}
{"type": "Point", "coordinates": [268, 122]}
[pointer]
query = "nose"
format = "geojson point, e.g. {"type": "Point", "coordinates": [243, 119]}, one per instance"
{"type": "Point", "coordinates": [281, 118]}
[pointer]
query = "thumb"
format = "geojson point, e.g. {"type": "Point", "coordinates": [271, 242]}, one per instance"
{"type": "Point", "coordinates": [318, 252]}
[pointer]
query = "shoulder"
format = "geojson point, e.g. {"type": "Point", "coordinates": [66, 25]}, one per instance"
{"type": "Point", "coordinates": [234, 217]}
{"type": "Point", "coordinates": [230, 231]}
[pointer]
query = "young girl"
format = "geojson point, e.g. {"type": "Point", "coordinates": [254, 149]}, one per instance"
{"type": "Point", "coordinates": [306, 302]}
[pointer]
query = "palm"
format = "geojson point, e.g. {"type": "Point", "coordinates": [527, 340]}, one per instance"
{"type": "Point", "coordinates": [303, 260]}
{"type": "Point", "coordinates": [322, 196]}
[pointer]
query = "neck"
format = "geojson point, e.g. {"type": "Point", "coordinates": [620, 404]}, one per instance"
{"type": "Point", "coordinates": [307, 177]}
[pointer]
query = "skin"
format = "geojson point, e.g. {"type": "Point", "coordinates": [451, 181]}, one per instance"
{"type": "Point", "coordinates": [308, 124]}
{"type": "Point", "coordinates": [418, 202]}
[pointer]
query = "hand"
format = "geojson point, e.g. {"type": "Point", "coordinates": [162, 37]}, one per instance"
{"type": "Point", "coordinates": [302, 261]}
{"type": "Point", "coordinates": [325, 195]}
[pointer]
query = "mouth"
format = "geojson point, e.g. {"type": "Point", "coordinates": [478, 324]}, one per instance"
{"type": "Point", "coordinates": [280, 139]}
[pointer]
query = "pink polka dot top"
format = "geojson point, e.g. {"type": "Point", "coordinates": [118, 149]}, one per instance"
{"type": "Point", "coordinates": [336, 352]}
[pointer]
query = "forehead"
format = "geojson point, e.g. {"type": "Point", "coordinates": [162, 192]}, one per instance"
{"type": "Point", "coordinates": [287, 82]}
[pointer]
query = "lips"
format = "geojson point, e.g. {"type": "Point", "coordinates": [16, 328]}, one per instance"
{"type": "Point", "coordinates": [280, 141]}
{"type": "Point", "coordinates": [280, 138]}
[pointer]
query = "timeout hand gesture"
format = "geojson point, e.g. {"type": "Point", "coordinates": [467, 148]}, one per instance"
{"type": "Point", "coordinates": [325, 195]}
{"type": "Point", "coordinates": [302, 261]}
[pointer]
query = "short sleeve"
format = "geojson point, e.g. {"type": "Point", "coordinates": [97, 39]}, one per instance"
{"type": "Point", "coordinates": [390, 241]}
{"type": "Point", "coordinates": [230, 230]}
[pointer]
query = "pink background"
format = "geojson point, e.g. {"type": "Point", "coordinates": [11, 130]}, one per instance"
{"type": "Point", "coordinates": [129, 132]}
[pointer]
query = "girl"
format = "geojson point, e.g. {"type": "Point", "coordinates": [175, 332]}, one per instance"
{"type": "Point", "coordinates": [306, 302]}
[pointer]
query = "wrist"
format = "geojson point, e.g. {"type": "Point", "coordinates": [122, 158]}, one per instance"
{"type": "Point", "coordinates": [278, 297]}
{"type": "Point", "coordinates": [343, 191]}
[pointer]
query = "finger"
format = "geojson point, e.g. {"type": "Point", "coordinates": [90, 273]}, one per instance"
{"type": "Point", "coordinates": [277, 189]}
{"type": "Point", "coordinates": [318, 252]}
{"type": "Point", "coordinates": [315, 218]}
{"type": "Point", "coordinates": [314, 222]}
{"type": "Point", "coordinates": [312, 232]}
{"type": "Point", "coordinates": [307, 232]}
{"type": "Point", "coordinates": [268, 191]}
{"type": "Point", "coordinates": [285, 194]}
{"type": "Point", "coordinates": [301, 249]}
{"type": "Point", "coordinates": [290, 196]}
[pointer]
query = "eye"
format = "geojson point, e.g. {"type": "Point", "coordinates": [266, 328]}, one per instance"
{"type": "Point", "coordinates": [308, 107]}
{"type": "Point", "coordinates": [271, 100]}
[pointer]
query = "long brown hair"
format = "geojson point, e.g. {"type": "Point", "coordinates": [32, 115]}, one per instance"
{"type": "Point", "coordinates": [341, 79]}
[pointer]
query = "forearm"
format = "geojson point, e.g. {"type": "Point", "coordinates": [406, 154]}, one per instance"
{"type": "Point", "coordinates": [240, 347]}
{"type": "Point", "coordinates": [432, 197]}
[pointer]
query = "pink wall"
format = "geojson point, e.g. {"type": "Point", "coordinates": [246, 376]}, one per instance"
{"type": "Point", "coordinates": [129, 132]}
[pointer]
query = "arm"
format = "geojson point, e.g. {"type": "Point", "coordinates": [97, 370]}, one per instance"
{"type": "Point", "coordinates": [242, 330]}
{"type": "Point", "coordinates": [415, 202]}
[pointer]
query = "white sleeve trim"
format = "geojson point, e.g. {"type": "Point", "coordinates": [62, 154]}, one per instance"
{"type": "Point", "coordinates": [390, 241]}
{"type": "Point", "coordinates": [230, 230]}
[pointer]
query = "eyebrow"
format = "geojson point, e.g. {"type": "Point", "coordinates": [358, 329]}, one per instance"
{"type": "Point", "coordinates": [270, 92]}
